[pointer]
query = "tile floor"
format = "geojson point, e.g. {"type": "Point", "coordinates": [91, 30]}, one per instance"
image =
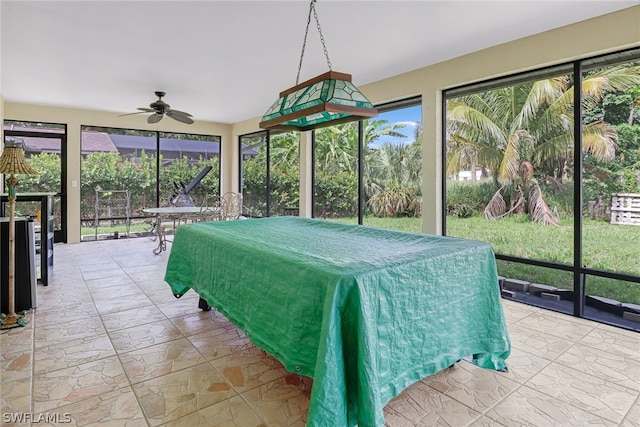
{"type": "Point", "coordinates": [109, 345]}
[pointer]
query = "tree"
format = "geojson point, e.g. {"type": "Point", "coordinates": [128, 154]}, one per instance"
{"type": "Point", "coordinates": [524, 134]}
{"type": "Point", "coordinates": [393, 179]}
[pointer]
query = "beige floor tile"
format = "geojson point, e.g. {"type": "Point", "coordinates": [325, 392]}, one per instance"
{"type": "Point", "coordinates": [20, 335]}
{"type": "Point", "coordinates": [173, 396]}
{"type": "Point", "coordinates": [249, 368]}
{"type": "Point", "coordinates": [101, 295]}
{"type": "Point", "coordinates": [515, 312]}
{"type": "Point", "coordinates": [282, 402]}
{"type": "Point", "coordinates": [118, 408]}
{"type": "Point", "coordinates": [523, 366]}
{"type": "Point", "coordinates": [161, 295]}
{"type": "Point", "coordinates": [160, 359]}
{"type": "Point", "coordinates": [564, 328]}
{"type": "Point", "coordinates": [114, 305]}
{"type": "Point", "coordinates": [136, 264]}
{"type": "Point", "coordinates": [475, 387]}
{"type": "Point", "coordinates": [180, 307]}
{"type": "Point", "coordinates": [486, 422]}
{"type": "Point", "coordinates": [153, 285]}
{"type": "Point", "coordinates": [537, 343]}
{"type": "Point", "coordinates": [615, 368]}
{"type": "Point", "coordinates": [106, 272]}
{"type": "Point", "coordinates": [131, 318]}
{"type": "Point", "coordinates": [16, 357]}
{"type": "Point", "coordinates": [50, 333]}
{"type": "Point", "coordinates": [144, 335]}
{"type": "Point", "coordinates": [66, 277]}
{"type": "Point", "coordinates": [632, 419]}
{"type": "Point", "coordinates": [16, 396]}
{"type": "Point", "coordinates": [200, 322]}
{"type": "Point", "coordinates": [608, 329]}
{"type": "Point", "coordinates": [147, 275]}
{"type": "Point", "coordinates": [590, 393]}
{"type": "Point", "coordinates": [51, 312]}
{"type": "Point", "coordinates": [117, 278]}
{"type": "Point", "coordinates": [623, 344]}
{"type": "Point", "coordinates": [62, 387]}
{"type": "Point", "coordinates": [233, 412]}
{"type": "Point", "coordinates": [71, 353]}
{"type": "Point", "coordinates": [221, 342]}
{"type": "Point", "coordinates": [421, 405]}
{"type": "Point", "coordinates": [528, 407]}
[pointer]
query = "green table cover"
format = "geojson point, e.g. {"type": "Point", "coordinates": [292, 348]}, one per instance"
{"type": "Point", "coordinates": [363, 311]}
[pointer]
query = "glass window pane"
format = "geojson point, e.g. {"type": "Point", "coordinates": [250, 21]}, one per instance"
{"type": "Point", "coordinates": [539, 286]}
{"type": "Point", "coordinates": [126, 159]}
{"type": "Point", "coordinates": [611, 172]}
{"type": "Point", "coordinates": [616, 302]}
{"type": "Point", "coordinates": [116, 159]}
{"type": "Point", "coordinates": [42, 143]}
{"type": "Point", "coordinates": [184, 162]}
{"type": "Point", "coordinates": [509, 168]}
{"type": "Point", "coordinates": [336, 173]}
{"type": "Point", "coordinates": [253, 173]}
{"type": "Point", "coordinates": [393, 170]}
{"type": "Point", "coordinates": [284, 176]}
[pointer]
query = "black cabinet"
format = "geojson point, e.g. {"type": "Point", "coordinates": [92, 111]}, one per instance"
{"type": "Point", "coordinates": [25, 274]}
{"type": "Point", "coordinates": [46, 228]}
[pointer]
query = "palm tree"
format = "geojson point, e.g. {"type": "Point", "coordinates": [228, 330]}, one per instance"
{"type": "Point", "coordinates": [337, 146]}
{"type": "Point", "coordinates": [393, 178]}
{"type": "Point", "coordinates": [524, 133]}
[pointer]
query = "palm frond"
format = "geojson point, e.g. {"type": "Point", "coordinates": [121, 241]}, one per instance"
{"type": "Point", "coordinates": [538, 208]}
{"type": "Point", "coordinates": [496, 207]}
{"type": "Point", "coordinates": [511, 158]}
{"type": "Point", "coordinates": [599, 139]}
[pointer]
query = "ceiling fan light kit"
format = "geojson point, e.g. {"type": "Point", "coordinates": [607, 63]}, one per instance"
{"type": "Point", "coordinates": [325, 100]}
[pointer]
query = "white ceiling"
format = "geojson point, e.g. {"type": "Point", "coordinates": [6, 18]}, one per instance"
{"type": "Point", "coordinates": [226, 61]}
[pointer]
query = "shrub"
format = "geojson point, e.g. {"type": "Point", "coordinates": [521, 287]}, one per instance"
{"type": "Point", "coordinates": [468, 198]}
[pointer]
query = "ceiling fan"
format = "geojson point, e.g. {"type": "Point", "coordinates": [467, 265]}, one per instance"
{"type": "Point", "coordinates": [160, 108]}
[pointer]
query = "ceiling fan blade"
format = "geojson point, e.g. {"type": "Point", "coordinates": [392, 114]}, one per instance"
{"type": "Point", "coordinates": [154, 118]}
{"type": "Point", "coordinates": [180, 118]}
{"type": "Point", "coordinates": [130, 114]}
{"type": "Point", "coordinates": [182, 113]}
{"type": "Point", "coordinates": [147, 110]}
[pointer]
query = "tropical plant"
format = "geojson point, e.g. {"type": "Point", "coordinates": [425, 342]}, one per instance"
{"type": "Point", "coordinates": [392, 179]}
{"type": "Point", "coordinates": [524, 134]}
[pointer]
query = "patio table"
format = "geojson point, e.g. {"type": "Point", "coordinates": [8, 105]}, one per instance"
{"type": "Point", "coordinates": [363, 311]}
{"type": "Point", "coordinates": [174, 214]}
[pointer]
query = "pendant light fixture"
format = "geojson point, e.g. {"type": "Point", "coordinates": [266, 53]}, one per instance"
{"type": "Point", "coordinates": [324, 100]}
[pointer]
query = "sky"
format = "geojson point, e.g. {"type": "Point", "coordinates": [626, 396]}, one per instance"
{"type": "Point", "coordinates": [409, 116]}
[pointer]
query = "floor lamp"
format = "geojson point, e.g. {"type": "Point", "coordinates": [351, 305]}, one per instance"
{"type": "Point", "coordinates": [12, 162]}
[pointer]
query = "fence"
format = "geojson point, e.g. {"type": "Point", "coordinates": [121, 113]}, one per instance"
{"type": "Point", "coordinates": [625, 208]}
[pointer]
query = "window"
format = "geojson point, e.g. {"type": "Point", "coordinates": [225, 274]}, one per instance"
{"type": "Point", "coordinates": [127, 159]}
{"type": "Point", "coordinates": [270, 173]}
{"type": "Point", "coordinates": [392, 176]}
{"type": "Point", "coordinates": [542, 181]}
{"type": "Point", "coordinates": [45, 146]}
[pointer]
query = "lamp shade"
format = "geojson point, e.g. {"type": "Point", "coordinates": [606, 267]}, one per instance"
{"type": "Point", "coordinates": [325, 100]}
{"type": "Point", "coordinates": [12, 161]}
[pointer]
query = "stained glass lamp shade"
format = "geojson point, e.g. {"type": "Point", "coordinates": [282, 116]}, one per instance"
{"type": "Point", "coordinates": [325, 100]}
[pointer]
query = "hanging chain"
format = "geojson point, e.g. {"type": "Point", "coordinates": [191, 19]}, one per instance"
{"type": "Point", "coordinates": [304, 43]}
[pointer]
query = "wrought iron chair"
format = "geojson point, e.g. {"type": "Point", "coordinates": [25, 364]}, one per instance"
{"type": "Point", "coordinates": [233, 205]}
{"type": "Point", "coordinates": [213, 210]}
